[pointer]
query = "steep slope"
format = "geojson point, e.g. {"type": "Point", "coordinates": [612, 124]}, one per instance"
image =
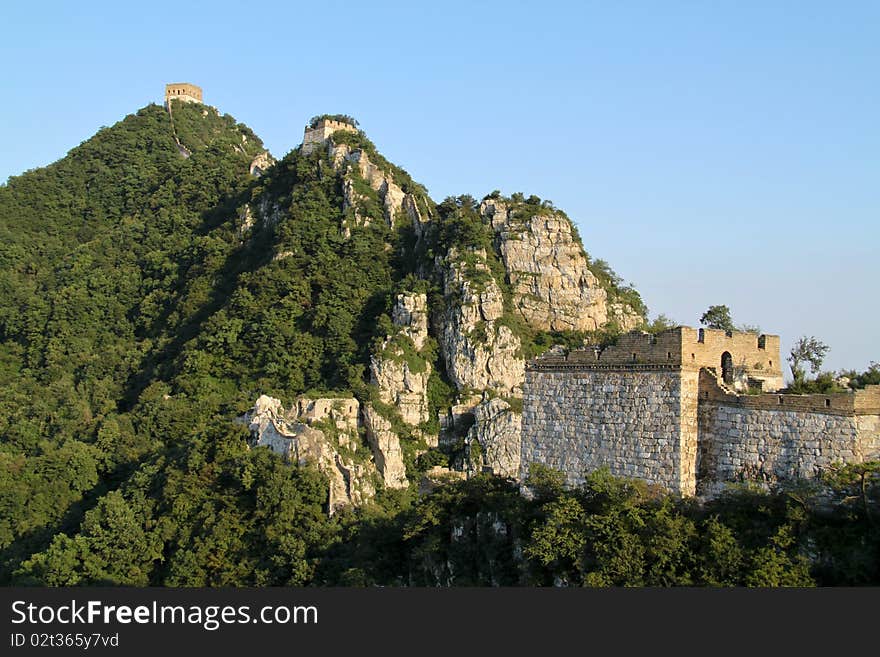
{"type": "Point", "coordinates": [96, 255]}
{"type": "Point", "coordinates": [549, 273]}
{"type": "Point", "coordinates": [168, 277]}
{"type": "Point", "coordinates": [514, 279]}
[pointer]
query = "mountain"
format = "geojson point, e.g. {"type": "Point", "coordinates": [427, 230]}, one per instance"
{"type": "Point", "coordinates": [168, 282]}
{"type": "Point", "coordinates": [172, 299]}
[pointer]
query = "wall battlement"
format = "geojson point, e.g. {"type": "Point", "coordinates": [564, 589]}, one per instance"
{"type": "Point", "coordinates": [743, 358]}
{"type": "Point", "coordinates": [183, 91]}
{"type": "Point", "coordinates": [858, 402]}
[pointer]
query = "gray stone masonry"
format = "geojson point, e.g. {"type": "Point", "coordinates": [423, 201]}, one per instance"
{"type": "Point", "coordinates": [654, 408]}
{"type": "Point", "coordinates": [629, 421]}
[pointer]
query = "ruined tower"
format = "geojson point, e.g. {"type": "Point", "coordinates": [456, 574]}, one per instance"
{"type": "Point", "coordinates": [184, 91]}
{"type": "Point", "coordinates": [319, 131]}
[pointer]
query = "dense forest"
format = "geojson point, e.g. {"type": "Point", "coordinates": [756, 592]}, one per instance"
{"type": "Point", "coordinates": [140, 313]}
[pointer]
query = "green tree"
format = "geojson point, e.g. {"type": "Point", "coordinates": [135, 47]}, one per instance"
{"type": "Point", "coordinates": [718, 317]}
{"type": "Point", "coordinates": [807, 350]}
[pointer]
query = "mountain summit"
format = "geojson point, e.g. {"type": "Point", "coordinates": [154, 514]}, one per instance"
{"type": "Point", "coordinates": [168, 280]}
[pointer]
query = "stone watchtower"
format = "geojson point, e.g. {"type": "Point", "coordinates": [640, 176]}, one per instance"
{"type": "Point", "coordinates": [184, 91]}
{"type": "Point", "coordinates": [688, 409]}
{"type": "Point", "coordinates": [317, 132]}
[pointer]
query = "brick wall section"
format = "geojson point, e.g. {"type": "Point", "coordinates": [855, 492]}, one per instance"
{"type": "Point", "coordinates": [860, 402]}
{"type": "Point", "coordinates": [868, 428]}
{"type": "Point", "coordinates": [656, 418]}
{"type": "Point", "coordinates": [688, 439]}
{"type": "Point", "coordinates": [629, 420]}
{"type": "Point", "coordinates": [768, 446]}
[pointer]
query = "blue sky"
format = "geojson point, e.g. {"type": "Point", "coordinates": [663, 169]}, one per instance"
{"type": "Point", "coordinates": [712, 152]}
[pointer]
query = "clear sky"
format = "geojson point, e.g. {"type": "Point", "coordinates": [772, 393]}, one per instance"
{"type": "Point", "coordinates": [712, 152]}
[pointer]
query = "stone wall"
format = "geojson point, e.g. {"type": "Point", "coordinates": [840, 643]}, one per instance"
{"type": "Point", "coordinates": [859, 402]}
{"type": "Point", "coordinates": [678, 427]}
{"type": "Point", "coordinates": [772, 438]}
{"type": "Point", "coordinates": [631, 420]}
{"type": "Point", "coordinates": [768, 446]}
{"type": "Point", "coordinates": [868, 429]}
{"type": "Point", "coordinates": [756, 355]}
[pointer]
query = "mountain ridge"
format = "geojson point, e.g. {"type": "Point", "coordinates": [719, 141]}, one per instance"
{"type": "Point", "coordinates": [150, 294]}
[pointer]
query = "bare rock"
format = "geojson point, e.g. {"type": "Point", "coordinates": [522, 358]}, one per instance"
{"type": "Point", "coordinates": [398, 370]}
{"type": "Point", "coordinates": [351, 160]}
{"type": "Point", "coordinates": [386, 449]}
{"type": "Point", "coordinates": [261, 162]}
{"type": "Point", "coordinates": [291, 435]}
{"type": "Point", "coordinates": [553, 287]}
{"type": "Point", "coordinates": [498, 430]}
{"type": "Point", "coordinates": [480, 352]}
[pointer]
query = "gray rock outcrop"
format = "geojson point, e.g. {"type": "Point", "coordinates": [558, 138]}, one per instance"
{"type": "Point", "coordinates": [261, 163]}
{"type": "Point", "coordinates": [480, 352]}
{"type": "Point", "coordinates": [553, 287]}
{"type": "Point", "coordinates": [294, 436]}
{"type": "Point", "coordinates": [498, 430]}
{"type": "Point", "coordinates": [386, 449]}
{"type": "Point", "coordinates": [355, 162]}
{"type": "Point", "coordinates": [398, 370]}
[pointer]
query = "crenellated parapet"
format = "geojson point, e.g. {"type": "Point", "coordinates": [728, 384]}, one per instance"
{"type": "Point", "coordinates": [743, 360]}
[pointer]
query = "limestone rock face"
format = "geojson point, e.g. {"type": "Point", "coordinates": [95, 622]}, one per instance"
{"type": "Point", "coordinates": [292, 435]}
{"type": "Point", "coordinates": [627, 318]}
{"type": "Point", "coordinates": [397, 370]}
{"type": "Point", "coordinates": [261, 163]}
{"type": "Point", "coordinates": [246, 220]}
{"type": "Point", "coordinates": [266, 211]}
{"type": "Point", "coordinates": [498, 431]}
{"type": "Point", "coordinates": [552, 286]}
{"type": "Point", "coordinates": [480, 352]}
{"type": "Point", "coordinates": [386, 449]}
{"type": "Point", "coordinates": [351, 160]}
{"type": "Point", "coordinates": [411, 313]}
{"type": "Point", "coordinates": [418, 212]}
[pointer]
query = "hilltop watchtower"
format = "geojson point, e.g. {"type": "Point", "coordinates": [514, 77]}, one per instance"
{"type": "Point", "coordinates": [184, 91]}
{"type": "Point", "coordinates": [319, 130]}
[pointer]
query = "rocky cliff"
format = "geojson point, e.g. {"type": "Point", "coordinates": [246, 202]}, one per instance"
{"type": "Point", "coordinates": [480, 351]}
{"type": "Point", "coordinates": [320, 432]}
{"type": "Point", "coordinates": [360, 176]}
{"type": "Point", "coordinates": [552, 285]}
{"type": "Point", "coordinates": [493, 276]}
{"type": "Point", "coordinates": [496, 431]}
{"type": "Point", "coordinates": [398, 369]}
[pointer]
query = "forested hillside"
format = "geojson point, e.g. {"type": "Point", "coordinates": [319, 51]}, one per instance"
{"type": "Point", "coordinates": [152, 288]}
